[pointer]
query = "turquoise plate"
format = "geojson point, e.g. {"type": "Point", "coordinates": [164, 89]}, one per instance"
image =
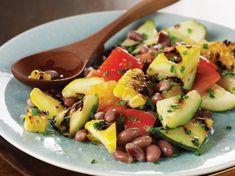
{"type": "Point", "coordinates": [66, 153]}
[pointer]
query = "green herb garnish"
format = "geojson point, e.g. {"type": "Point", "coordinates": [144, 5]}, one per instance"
{"type": "Point", "coordinates": [145, 36]}
{"type": "Point", "coordinates": [93, 161]}
{"type": "Point", "coordinates": [123, 103]}
{"type": "Point", "coordinates": [185, 52]}
{"type": "Point", "coordinates": [130, 49]}
{"type": "Point", "coordinates": [195, 141]}
{"type": "Point", "coordinates": [122, 72]}
{"type": "Point", "coordinates": [175, 106]}
{"type": "Point", "coordinates": [211, 93]}
{"type": "Point", "coordinates": [187, 131]}
{"type": "Point", "coordinates": [106, 73]}
{"type": "Point", "coordinates": [189, 30]}
{"type": "Point", "coordinates": [182, 69]}
{"type": "Point", "coordinates": [169, 110]}
{"type": "Point", "coordinates": [227, 73]}
{"type": "Point", "coordinates": [172, 69]}
{"type": "Point", "coordinates": [228, 128]}
{"type": "Point", "coordinates": [205, 46]}
{"type": "Point", "coordinates": [99, 125]}
{"type": "Point", "coordinates": [157, 162]}
{"type": "Point", "coordinates": [172, 39]}
{"type": "Point", "coordinates": [35, 111]}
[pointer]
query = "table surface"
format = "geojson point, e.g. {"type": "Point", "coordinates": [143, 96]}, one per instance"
{"type": "Point", "coordinates": [18, 16]}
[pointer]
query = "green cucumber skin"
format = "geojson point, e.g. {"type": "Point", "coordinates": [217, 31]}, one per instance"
{"type": "Point", "coordinates": [196, 149]}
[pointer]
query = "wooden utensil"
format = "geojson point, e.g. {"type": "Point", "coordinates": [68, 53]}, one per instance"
{"type": "Point", "coordinates": [70, 60]}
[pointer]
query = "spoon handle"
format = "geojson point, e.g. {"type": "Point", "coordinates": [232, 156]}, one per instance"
{"type": "Point", "coordinates": [145, 7]}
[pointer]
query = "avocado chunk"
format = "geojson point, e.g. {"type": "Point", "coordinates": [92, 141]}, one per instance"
{"type": "Point", "coordinates": [68, 122]}
{"type": "Point", "coordinates": [190, 136]}
{"type": "Point", "coordinates": [191, 32]}
{"type": "Point", "coordinates": [218, 99]}
{"type": "Point", "coordinates": [178, 110]}
{"type": "Point", "coordinates": [148, 29]}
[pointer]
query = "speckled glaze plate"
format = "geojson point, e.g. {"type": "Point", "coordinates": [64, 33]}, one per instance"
{"type": "Point", "coordinates": [66, 153]}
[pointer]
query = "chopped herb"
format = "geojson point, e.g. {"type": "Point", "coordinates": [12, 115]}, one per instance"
{"type": "Point", "coordinates": [172, 69]}
{"type": "Point", "coordinates": [149, 69]}
{"type": "Point", "coordinates": [182, 69]}
{"type": "Point", "coordinates": [187, 131]}
{"type": "Point", "coordinates": [205, 46]}
{"type": "Point", "coordinates": [106, 73]}
{"type": "Point", "coordinates": [141, 107]}
{"type": "Point", "coordinates": [160, 78]}
{"type": "Point", "coordinates": [145, 36]}
{"type": "Point", "coordinates": [185, 97]}
{"type": "Point", "coordinates": [175, 106]}
{"type": "Point", "coordinates": [173, 59]}
{"type": "Point", "coordinates": [47, 132]}
{"type": "Point", "coordinates": [178, 97]}
{"type": "Point", "coordinates": [93, 161]}
{"type": "Point", "coordinates": [157, 162]}
{"type": "Point", "coordinates": [169, 110]}
{"type": "Point", "coordinates": [189, 30]}
{"type": "Point", "coordinates": [130, 49]}
{"type": "Point", "coordinates": [99, 125]}
{"type": "Point", "coordinates": [122, 103]}
{"type": "Point", "coordinates": [149, 104]}
{"type": "Point", "coordinates": [172, 39]}
{"type": "Point", "coordinates": [198, 153]}
{"type": "Point", "coordinates": [120, 120]}
{"type": "Point", "coordinates": [211, 93]}
{"type": "Point", "coordinates": [195, 141]}
{"type": "Point", "coordinates": [152, 130]}
{"type": "Point", "coordinates": [185, 52]}
{"type": "Point", "coordinates": [130, 118]}
{"type": "Point", "coordinates": [122, 72]}
{"type": "Point", "coordinates": [228, 128]}
{"type": "Point", "coordinates": [35, 111]}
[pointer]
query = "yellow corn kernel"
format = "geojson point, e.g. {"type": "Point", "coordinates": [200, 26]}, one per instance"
{"type": "Point", "coordinates": [127, 88]}
{"type": "Point", "coordinates": [40, 75]}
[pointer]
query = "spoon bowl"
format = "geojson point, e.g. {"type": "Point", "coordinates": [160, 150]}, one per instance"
{"type": "Point", "coordinates": [71, 60]}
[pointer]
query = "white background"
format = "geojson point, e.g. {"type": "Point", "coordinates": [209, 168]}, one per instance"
{"type": "Point", "coordinates": [217, 11]}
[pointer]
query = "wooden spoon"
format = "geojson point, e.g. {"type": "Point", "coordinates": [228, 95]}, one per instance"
{"type": "Point", "coordinates": [71, 60]}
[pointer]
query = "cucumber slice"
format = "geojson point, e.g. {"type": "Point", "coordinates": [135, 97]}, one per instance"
{"type": "Point", "coordinates": [80, 86]}
{"type": "Point", "coordinates": [190, 136]}
{"type": "Point", "coordinates": [228, 83]}
{"type": "Point", "coordinates": [218, 99]}
{"type": "Point", "coordinates": [191, 32]}
{"type": "Point", "coordinates": [173, 112]}
{"type": "Point", "coordinates": [148, 29]}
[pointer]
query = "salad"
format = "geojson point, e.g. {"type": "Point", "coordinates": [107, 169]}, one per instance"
{"type": "Point", "coordinates": [150, 98]}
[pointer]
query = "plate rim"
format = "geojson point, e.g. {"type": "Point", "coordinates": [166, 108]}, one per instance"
{"type": "Point", "coordinates": [82, 169]}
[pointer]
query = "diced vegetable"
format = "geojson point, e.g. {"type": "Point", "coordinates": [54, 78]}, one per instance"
{"type": "Point", "coordinates": [80, 86]}
{"type": "Point", "coordinates": [45, 102]}
{"type": "Point", "coordinates": [40, 75]}
{"type": "Point", "coordinates": [190, 136]}
{"type": "Point", "coordinates": [118, 62]}
{"type": "Point", "coordinates": [107, 137]}
{"type": "Point", "coordinates": [129, 87]}
{"type": "Point", "coordinates": [139, 119]}
{"type": "Point", "coordinates": [148, 29]}
{"type": "Point", "coordinates": [35, 121]}
{"type": "Point", "coordinates": [218, 99]}
{"type": "Point", "coordinates": [206, 77]}
{"type": "Point", "coordinates": [105, 93]}
{"type": "Point", "coordinates": [191, 32]}
{"type": "Point", "coordinates": [69, 122]}
{"type": "Point", "coordinates": [176, 111]}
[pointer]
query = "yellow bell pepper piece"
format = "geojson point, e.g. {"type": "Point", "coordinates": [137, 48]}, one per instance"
{"type": "Point", "coordinates": [105, 93]}
{"type": "Point", "coordinates": [80, 86]}
{"type": "Point", "coordinates": [45, 102]}
{"type": "Point", "coordinates": [35, 123]}
{"type": "Point", "coordinates": [126, 88]}
{"type": "Point", "coordinates": [107, 137]}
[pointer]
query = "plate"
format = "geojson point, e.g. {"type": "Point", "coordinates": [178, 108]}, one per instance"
{"type": "Point", "coordinates": [69, 154]}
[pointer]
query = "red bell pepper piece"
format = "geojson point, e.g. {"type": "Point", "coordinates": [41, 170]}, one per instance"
{"type": "Point", "coordinates": [118, 62]}
{"type": "Point", "coordinates": [209, 62]}
{"type": "Point", "coordinates": [139, 119]}
{"type": "Point", "coordinates": [206, 76]}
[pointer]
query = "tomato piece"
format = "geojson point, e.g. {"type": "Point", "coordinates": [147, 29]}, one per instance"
{"type": "Point", "coordinates": [206, 77]}
{"type": "Point", "coordinates": [119, 108]}
{"type": "Point", "coordinates": [118, 62]}
{"type": "Point", "coordinates": [209, 62]}
{"type": "Point", "coordinates": [139, 119]}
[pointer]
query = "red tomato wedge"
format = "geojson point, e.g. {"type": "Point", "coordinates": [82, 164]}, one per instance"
{"type": "Point", "coordinates": [118, 62]}
{"type": "Point", "coordinates": [209, 62]}
{"type": "Point", "coordinates": [139, 119]}
{"type": "Point", "coordinates": [119, 108]}
{"type": "Point", "coordinates": [206, 76]}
